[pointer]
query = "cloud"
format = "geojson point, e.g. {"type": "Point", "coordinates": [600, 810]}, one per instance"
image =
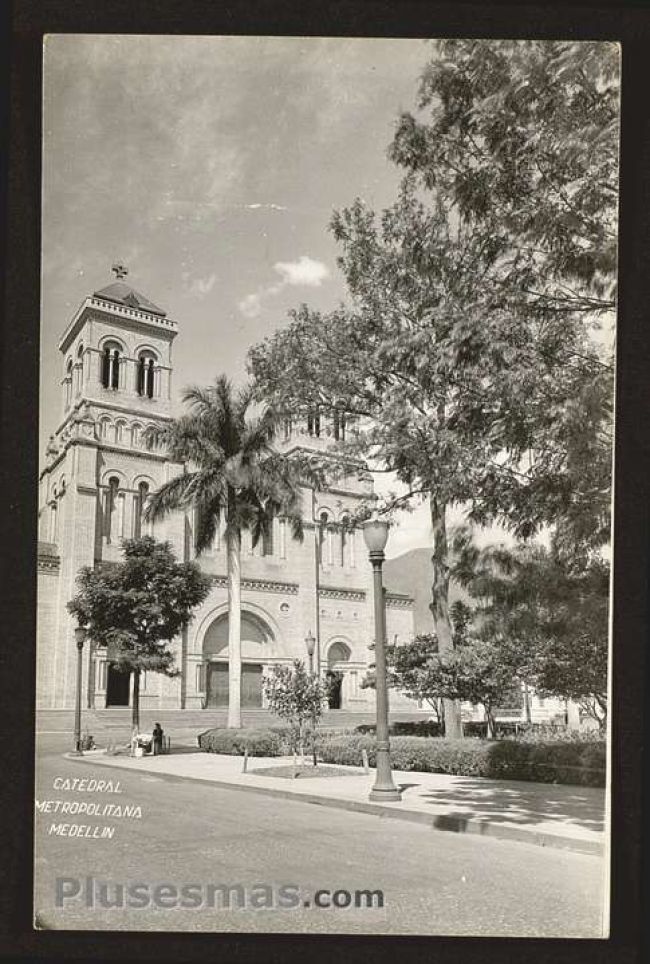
{"type": "Point", "coordinates": [266, 207]}
{"type": "Point", "coordinates": [203, 286]}
{"type": "Point", "coordinates": [251, 305]}
{"type": "Point", "coordinates": [305, 272]}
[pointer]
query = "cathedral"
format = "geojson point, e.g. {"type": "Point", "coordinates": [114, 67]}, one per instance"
{"type": "Point", "coordinates": [101, 464]}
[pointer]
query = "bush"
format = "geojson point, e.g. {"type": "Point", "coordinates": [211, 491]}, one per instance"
{"type": "Point", "coordinates": [410, 753]}
{"type": "Point", "coordinates": [575, 760]}
{"type": "Point", "coordinates": [235, 742]}
{"type": "Point", "coordinates": [406, 728]}
{"type": "Point", "coordinates": [581, 763]}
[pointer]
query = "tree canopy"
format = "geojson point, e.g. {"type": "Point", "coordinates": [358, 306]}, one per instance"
{"type": "Point", "coordinates": [546, 613]}
{"type": "Point", "coordinates": [232, 472]}
{"type": "Point", "coordinates": [135, 608]}
{"type": "Point", "coordinates": [521, 138]}
{"type": "Point", "coordinates": [471, 348]}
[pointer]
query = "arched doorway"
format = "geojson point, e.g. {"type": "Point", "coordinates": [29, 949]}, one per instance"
{"type": "Point", "coordinates": [256, 642]}
{"type": "Point", "coordinates": [337, 654]}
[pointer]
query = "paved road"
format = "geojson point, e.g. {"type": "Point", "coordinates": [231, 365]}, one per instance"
{"type": "Point", "coordinates": [433, 882]}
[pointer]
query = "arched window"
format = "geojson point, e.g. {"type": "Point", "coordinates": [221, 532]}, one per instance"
{"type": "Point", "coordinates": [286, 429]}
{"type": "Point", "coordinates": [346, 541]}
{"type": "Point", "coordinates": [313, 423]}
{"type": "Point", "coordinates": [140, 502]}
{"type": "Point", "coordinates": [135, 435]}
{"type": "Point", "coordinates": [53, 522]}
{"type": "Point", "coordinates": [150, 439]}
{"type": "Point", "coordinates": [104, 425]}
{"type": "Point", "coordinates": [325, 539]}
{"type": "Point", "coordinates": [146, 375]}
{"type": "Point", "coordinates": [111, 365]}
{"type": "Point", "coordinates": [267, 538]}
{"type": "Point", "coordinates": [119, 431]}
{"type": "Point", "coordinates": [112, 526]}
{"type": "Point", "coordinates": [339, 425]}
{"type": "Point", "coordinates": [67, 383]}
{"type": "Point", "coordinates": [79, 368]}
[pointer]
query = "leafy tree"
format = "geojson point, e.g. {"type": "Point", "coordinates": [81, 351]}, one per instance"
{"type": "Point", "coordinates": [471, 386]}
{"type": "Point", "coordinates": [521, 138]}
{"type": "Point", "coordinates": [298, 697]}
{"type": "Point", "coordinates": [481, 673]}
{"type": "Point", "coordinates": [476, 672]}
{"type": "Point", "coordinates": [409, 665]}
{"type": "Point", "coordinates": [547, 612]}
{"type": "Point", "coordinates": [232, 473]}
{"type": "Point", "coordinates": [135, 608]}
{"type": "Point", "coordinates": [519, 141]}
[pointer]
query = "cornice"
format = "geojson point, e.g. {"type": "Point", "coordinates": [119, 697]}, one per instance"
{"type": "Point", "coordinates": [262, 585]}
{"type": "Point", "coordinates": [398, 600]}
{"type": "Point", "coordinates": [130, 317]}
{"type": "Point", "coordinates": [332, 592]}
{"type": "Point", "coordinates": [48, 565]}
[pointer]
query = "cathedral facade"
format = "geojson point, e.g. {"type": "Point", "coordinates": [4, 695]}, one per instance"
{"type": "Point", "coordinates": [101, 464]}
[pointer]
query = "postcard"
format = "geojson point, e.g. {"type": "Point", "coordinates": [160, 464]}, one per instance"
{"type": "Point", "coordinates": [327, 385]}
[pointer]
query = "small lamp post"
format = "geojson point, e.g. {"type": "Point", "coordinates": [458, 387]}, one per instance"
{"type": "Point", "coordinates": [310, 643]}
{"type": "Point", "coordinates": [79, 636]}
{"type": "Point", "coordinates": [375, 534]}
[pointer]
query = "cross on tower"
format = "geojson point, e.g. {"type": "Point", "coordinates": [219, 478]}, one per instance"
{"type": "Point", "coordinates": [120, 270]}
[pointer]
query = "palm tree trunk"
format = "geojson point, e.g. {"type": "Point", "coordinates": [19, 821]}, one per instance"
{"type": "Point", "coordinates": [440, 606]}
{"type": "Point", "coordinates": [233, 549]}
{"type": "Point", "coordinates": [135, 709]}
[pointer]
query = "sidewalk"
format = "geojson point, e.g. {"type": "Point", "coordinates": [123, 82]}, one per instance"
{"type": "Point", "coordinates": [538, 813]}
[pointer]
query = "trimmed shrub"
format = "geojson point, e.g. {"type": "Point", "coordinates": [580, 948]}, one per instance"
{"type": "Point", "coordinates": [406, 728]}
{"type": "Point", "coordinates": [465, 757]}
{"type": "Point", "coordinates": [235, 742]}
{"type": "Point", "coordinates": [581, 763]}
{"type": "Point", "coordinates": [577, 763]}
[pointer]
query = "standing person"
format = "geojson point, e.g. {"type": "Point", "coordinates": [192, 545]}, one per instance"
{"type": "Point", "coordinates": [157, 739]}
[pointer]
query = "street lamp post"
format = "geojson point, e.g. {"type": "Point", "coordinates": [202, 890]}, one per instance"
{"type": "Point", "coordinates": [375, 534]}
{"type": "Point", "coordinates": [310, 643]}
{"type": "Point", "coordinates": [79, 636]}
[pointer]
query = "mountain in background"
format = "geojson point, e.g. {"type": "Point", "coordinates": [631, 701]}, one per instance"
{"type": "Point", "coordinates": [412, 573]}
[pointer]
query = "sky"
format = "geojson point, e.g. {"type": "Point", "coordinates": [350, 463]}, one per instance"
{"type": "Point", "coordinates": [211, 166]}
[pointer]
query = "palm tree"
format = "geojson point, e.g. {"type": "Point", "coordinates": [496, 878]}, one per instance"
{"type": "Point", "coordinates": [231, 472]}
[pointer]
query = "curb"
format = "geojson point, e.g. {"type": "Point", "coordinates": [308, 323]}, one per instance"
{"type": "Point", "coordinates": [454, 823]}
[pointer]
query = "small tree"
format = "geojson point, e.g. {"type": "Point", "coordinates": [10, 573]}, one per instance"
{"type": "Point", "coordinates": [137, 607]}
{"type": "Point", "coordinates": [547, 612]}
{"type": "Point", "coordinates": [476, 671]}
{"type": "Point", "coordinates": [480, 673]}
{"type": "Point", "coordinates": [297, 697]}
{"type": "Point", "coordinates": [409, 670]}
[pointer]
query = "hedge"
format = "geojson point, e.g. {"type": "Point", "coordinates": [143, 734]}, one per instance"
{"type": "Point", "coordinates": [581, 763]}
{"type": "Point", "coordinates": [272, 741]}
{"type": "Point", "coordinates": [235, 742]}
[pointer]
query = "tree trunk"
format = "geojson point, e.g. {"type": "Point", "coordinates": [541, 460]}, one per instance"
{"type": "Point", "coordinates": [491, 724]}
{"type": "Point", "coordinates": [440, 606]}
{"type": "Point", "coordinates": [135, 709]}
{"type": "Point", "coordinates": [233, 548]}
{"type": "Point", "coordinates": [527, 711]}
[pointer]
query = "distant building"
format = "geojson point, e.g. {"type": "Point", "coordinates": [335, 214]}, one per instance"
{"type": "Point", "coordinates": [101, 464]}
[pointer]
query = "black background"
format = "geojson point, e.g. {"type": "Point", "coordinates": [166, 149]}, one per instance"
{"type": "Point", "coordinates": [22, 27]}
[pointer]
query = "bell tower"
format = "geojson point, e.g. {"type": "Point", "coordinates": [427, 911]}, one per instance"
{"type": "Point", "coordinates": [106, 455]}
